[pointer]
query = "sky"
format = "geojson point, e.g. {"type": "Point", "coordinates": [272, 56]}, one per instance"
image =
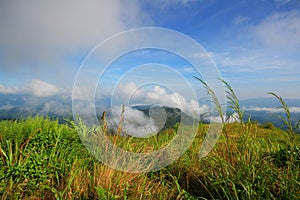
{"type": "Point", "coordinates": [254, 46]}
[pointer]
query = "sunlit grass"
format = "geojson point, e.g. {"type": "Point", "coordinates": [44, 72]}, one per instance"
{"type": "Point", "coordinates": [42, 159]}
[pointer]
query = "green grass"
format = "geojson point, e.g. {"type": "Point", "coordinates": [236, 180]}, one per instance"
{"type": "Point", "coordinates": [42, 159]}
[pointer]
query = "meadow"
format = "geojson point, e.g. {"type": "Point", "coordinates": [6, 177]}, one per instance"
{"type": "Point", "coordinates": [41, 158]}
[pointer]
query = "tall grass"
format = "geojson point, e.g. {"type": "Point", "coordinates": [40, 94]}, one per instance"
{"type": "Point", "coordinates": [42, 159]}
{"type": "Point", "coordinates": [288, 120]}
{"type": "Point", "coordinates": [246, 152]}
{"type": "Point", "coordinates": [214, 99]}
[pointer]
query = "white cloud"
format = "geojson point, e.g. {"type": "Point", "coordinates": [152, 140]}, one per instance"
{"type": "Point", "coordinates": [8, 90]}
{"type": "Point", "coordinates": [227, 119]}
{"type": "Point", "coordinates": [35, 87]}
{"type": "Point", "coordinates": [268, 50]}
{"type": "Point", "coordinates": [295, 109]}
{"type": "Point", "coordinates": [233, 118]}
{"type": "Point", "coordinates": [135, 123]}
{"type": "Point", "coordinates": [82, 93]}
{"type": "Point", "coordinates": [272, 110]}
{"type": "Point", "coordinates": [255, 61]}
{"type": "Point", "coordinates": [127, 91]}
{"type": "Point", "coordinates": [40, 88]}
{"type": "Point", "coordinates": [159, 95]}
{"type": "Point", "coordinates": [267, 46]}
{"type": "Point", "coordinates": [40, 33]}
{"type": "Point", "coordinates": [280, 31]}
{"type": "Point", "coordinates": [58, 108]}
{"type": "Point", "coordinates": [130, 93]}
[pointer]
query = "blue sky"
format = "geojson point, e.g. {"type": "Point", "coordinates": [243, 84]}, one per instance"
{"type": "Point", "coordinates": [254, 44]}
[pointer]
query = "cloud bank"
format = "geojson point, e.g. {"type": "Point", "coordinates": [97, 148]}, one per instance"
{"type": "Point", "coordinates": [131, 94]}
{"type": "Point", "coordinates": [46, 34]}
{"type": "Point", "coordinates": [272, 110]}
{"type": "Point", "coordinates": [135, 123]}
{"type": "Point", "coordinates": [35, 87]}
{"type": "Point", "coordinates": [40, 88]}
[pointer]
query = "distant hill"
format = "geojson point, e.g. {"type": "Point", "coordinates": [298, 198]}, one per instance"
{"type": "Point", "coordinates": [268, 102]}
{"type": "Point", "coordinates": [174, 115]}
{"type": "Point", "coordinates": [265, 110]}
{"type": "Point", "coordinates": [13, 106]}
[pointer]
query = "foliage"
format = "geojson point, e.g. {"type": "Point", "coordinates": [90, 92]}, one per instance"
{"type": "Point", "coordinates": [43, 159]}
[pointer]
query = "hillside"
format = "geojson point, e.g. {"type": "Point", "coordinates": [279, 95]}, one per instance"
{"type": "Point", "coordinates": [42, 159]}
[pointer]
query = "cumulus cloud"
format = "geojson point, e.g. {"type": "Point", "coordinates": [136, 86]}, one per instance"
{"type": "Point", "coordinates": [135, 122]}
{"type": "Point", "coordinates": [40, 88]}
{"type": "Point", "coordinates": [131, 94]}
{"type": "Point", "coordinates": [45, 32]}
{"type": "Point", "coordinates": [8, 90]}
{"type": "Point", "coordinates": [175, 99]}
{"type": "Point", "coordinates": [35, 87]}
{"type": "Point", "coordinates": [128, 91]}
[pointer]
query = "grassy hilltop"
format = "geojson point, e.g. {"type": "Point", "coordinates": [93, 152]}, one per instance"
{"type": "Point", "coordinates": [42, 159]}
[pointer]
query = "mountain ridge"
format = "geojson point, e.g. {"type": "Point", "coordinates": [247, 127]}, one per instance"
{"type": "Point", "coordinates": [14, 106]}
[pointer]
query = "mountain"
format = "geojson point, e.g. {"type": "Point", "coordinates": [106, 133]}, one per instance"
{"type": "Point", "coordinates": [265, 110]}
{"type": "Point", "coordinates": [13, 106]}
{"type": "Point", "coordinates": [173, 115]}
{"type": "Point", "coordinates": [268, 102]}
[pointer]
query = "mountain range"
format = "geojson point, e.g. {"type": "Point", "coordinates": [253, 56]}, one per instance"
{"type": "Point", "coordinates": [13, 106]}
